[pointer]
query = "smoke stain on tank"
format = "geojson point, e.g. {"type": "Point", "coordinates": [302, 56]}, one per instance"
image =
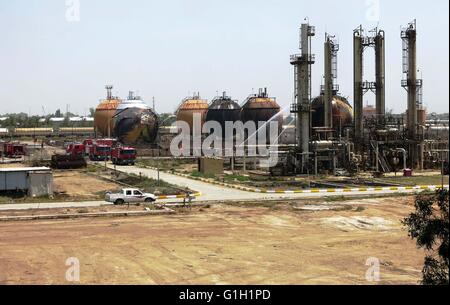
{"type": "Point", "coordinates": [341, 108]}
{"type": "Point", "coordinates": [223, 109]}
{"type": "Point", "coordinates": [135, 122]}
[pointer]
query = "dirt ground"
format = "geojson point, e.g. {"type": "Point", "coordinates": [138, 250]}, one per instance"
{"type": "Point", "coordinates": [11, 165]}
{"type": "Point", "coordinates": [82, 186]}
{"type": "Point", "coordinates": [304, 243]}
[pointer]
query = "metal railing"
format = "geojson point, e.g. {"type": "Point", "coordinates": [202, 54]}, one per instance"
{"type": "Point", "coordinates": [309, 58]}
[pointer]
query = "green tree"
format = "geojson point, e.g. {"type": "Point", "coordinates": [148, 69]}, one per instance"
{"type": "Point", "coordinates": [429, 226]}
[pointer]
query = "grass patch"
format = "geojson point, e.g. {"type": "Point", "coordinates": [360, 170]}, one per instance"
{"type": "Point", "coordinates": [92, 168]}
{"type": "Point", "coordinates": [197, 174]}
{"type": "Point", "coordinates": [150, 185]}
{"type": "Point", "coordinates": [4, 199]}
{"type": "Point", "coordinates": [237, 178]}
{"type": "Point", "coordinates": [23, 198]}
{"type": "Point", "coordinates": [163, 164]}
{"type": "Point", "coordinates": [413, 181]}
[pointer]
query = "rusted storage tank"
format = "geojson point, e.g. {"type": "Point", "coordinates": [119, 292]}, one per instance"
{"type": "Point", "coordinates": [262, 108]}
{"type": "Point", "coordinates": [104, 113]}
{"type": "Point", "coordinates": [223, 109]}
{"type": "Point", "coordinates": [342, 112]}
{"type": "Point", "coordinates": [191, 106]}
{"type": "Point", "coordinates": [135, 122]}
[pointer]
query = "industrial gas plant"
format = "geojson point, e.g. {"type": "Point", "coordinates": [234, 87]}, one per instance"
{"type": "Point", "coordinates": [340, 137]}
{"type": "Point", "coordinates": [221, 188]}
{"type": "Point", "coordinates": [326, 133]}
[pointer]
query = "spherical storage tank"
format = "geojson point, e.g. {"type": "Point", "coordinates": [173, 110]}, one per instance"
{"type": "Point", "coordinates": [223, 109]}
{"type": "Point", "coordinates": [104, 114]}
{"type": "Point", "coordinates": [135, 122]}
{"type": "Point", "coordinates": [342, 112]}
{"type": "Point", "coordinates": [191, 106]}
{"type": "Point", "coordinates": [261, 108]}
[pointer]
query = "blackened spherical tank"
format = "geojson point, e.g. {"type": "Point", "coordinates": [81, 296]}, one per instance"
{"type": "Point", "coordinates": [135, 122]}
{"type": "Point", "coordinates": [342, 112]}
{"type": "Point", "coordinates": [261, 108]}
{"type": "Point", "coordinates": [223, 109]}
{"type": "Point", "coordinates": [190, 107]}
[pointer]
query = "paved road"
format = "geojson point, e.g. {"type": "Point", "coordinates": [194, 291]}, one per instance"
{"type": "Point", "coordinates": [212, 192]}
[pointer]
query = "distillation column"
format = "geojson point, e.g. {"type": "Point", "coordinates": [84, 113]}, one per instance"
{"type": "Point", "coordinates": [413, 87]}
{"type": "Point", "coordinates": [330, 89]}
{"type": "Point", "coordinates": [302, 105]}
{"type": "Point", "coordinates": [358, 93]}
{"type": "Point", "coordinates": [380, 67]}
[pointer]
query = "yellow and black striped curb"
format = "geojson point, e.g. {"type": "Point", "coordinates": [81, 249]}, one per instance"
{"type": "Point", "coordinates": [417, 188]}
{"type": "Point", "coordinates": [177, 196]}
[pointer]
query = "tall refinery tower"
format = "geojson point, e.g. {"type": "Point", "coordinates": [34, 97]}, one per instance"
{"type": "Point", "coordinates": [302, 105]}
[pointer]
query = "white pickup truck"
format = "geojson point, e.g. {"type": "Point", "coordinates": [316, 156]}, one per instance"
{"type": "Point", "coordinates": [129, 196]}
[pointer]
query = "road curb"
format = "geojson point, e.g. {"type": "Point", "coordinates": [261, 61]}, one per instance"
{"type": "Point", "coordinates": [417, 188]}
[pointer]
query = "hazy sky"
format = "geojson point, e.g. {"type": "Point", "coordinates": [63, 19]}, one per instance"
{"type": "Point", "coordinates": [171, 48]}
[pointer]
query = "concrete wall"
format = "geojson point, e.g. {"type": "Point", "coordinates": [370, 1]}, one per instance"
{"type": "Point", "coordinates": [210, 166]}
{"type": "Point", "coordinates": [40, 184]}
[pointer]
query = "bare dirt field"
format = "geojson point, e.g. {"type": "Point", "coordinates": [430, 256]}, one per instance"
{"type": "Point", "coordinates": [301, 243]}
{"type": "Point", "coordinates": [82, 186]}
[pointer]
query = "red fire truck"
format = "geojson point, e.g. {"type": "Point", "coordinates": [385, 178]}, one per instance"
{"type": "Point", "coordinates": [123, 155]}
{"type": "Point", "coordinates": [99, 152]}
{"type": "Point", "coordinates": [76, 149]}
{"type": "Point", "coordinates": [107, 142]}
{"type": "Point", "coordinates": [88, 143]}
{"type": "Point", "coordinates": [13, 150]}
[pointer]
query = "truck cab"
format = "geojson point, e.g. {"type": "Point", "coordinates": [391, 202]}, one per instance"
{"type": "Point", "coordinates": [76, 149]}
{"type": "Point", "coordinates": [98, 152]}
{"type": "Point", "coordinates": [123, 155]}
